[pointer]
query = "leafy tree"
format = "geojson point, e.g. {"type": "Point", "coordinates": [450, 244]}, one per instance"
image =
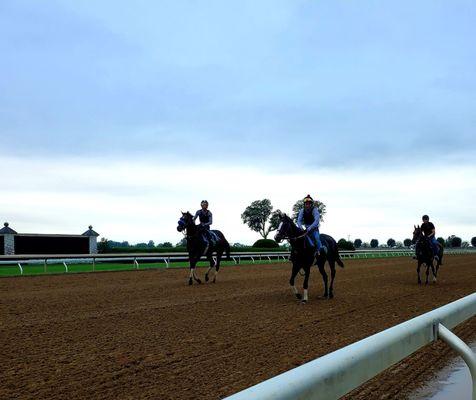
{"type": "Point", "coordinates": [165, 244]}
{"type": "Point", "coordinates": [300, 204]}
{"type": "Point", "coordinates": [473, 241]}
{"type": "Point", "coordinates": [456, 242]}
{"type": "Point", "coordinates": [182, 243]}
{"type": "Point", "coordinates": [343, 244]}
{"type": "Point", "coordinates": [399, 245]}
{"type": "Point", "coordinates": [104, 246]}
{"type": "Point", "coordinates": [260, 217]}
{"type": "Point", "coordinates": [357, 243]}
{"type": "Point", "coordinates": [365, 245]}
{"type": "Point", "coordinates": [407, 242]}
{"type": "Point", "coordinates": [151, 243]}
{"type": "Point", "coordinates": [453, 241]}
{"type": "Point", "coordinates": [374, 243]}
{"type": "Point", "coordinates": [441, 241]}
{"type": "Point", "coordinates": [391, 242]}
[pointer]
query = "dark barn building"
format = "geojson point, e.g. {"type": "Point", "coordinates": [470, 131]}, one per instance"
{"type": "Point", "coordinates": [13, 243]}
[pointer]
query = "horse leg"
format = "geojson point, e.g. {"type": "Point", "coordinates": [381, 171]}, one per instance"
{"type": "Point", "coordinates": [217, 264]}
{"type": "Point", "coordinates": [193, 273]}
{"type": "Point", "coordinates": [418, 272]}
{"type": "Point", "coordinates": [305, 285]}
{"type": "Point", "coordinates": [434, 271]}
{"type": "Point", "coordinates": [210, 260]}
{"type": "Point", "coordinates": [427, 273]}
{"type": "Point", "coordinates": [332, 265]}
{"type": "Point", "coordinates": [322, 270]}
{"type": "Point", "coordinates": [294, 272]}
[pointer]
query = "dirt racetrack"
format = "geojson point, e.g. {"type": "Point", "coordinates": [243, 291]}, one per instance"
{"type": "Point", "coordinates": [147, 335]}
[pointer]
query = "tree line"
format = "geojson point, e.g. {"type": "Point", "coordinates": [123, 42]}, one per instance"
{"type": "Point", "coordinates": [260, 217]}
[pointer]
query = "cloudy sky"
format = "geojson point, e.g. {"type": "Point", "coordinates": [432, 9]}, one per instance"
{"type": "Point", "coordinates": [120, 114]}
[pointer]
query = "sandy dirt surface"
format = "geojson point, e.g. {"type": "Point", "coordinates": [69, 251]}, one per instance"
{"type": "Point", "coordinates": [147, 335]}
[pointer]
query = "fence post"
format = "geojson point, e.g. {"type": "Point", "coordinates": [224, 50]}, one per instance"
{"type": "Point", "coordinates": [462, 349]}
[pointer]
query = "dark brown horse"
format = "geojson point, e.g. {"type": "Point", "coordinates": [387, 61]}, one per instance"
{"type": "Point", "coordinates": [197, 247]}
{"type": "Point", "coordinates": [424, 254]}
{"type": "Point", "coordinates": [303, 256]}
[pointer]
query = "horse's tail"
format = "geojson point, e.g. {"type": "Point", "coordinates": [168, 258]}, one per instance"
{"type": "Point", "coordinates": [227, 249]}
{"type": "Point", "coordinates": [338, 259]}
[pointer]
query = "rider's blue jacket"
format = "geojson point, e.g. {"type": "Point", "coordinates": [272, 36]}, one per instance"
{"type": "Point", "coordinates": [305, 219]}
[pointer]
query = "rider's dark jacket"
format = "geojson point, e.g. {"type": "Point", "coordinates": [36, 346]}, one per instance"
{"type": "Point", "coordinates": [205, 217]}
{"type": "Point", "coordinates": [427, 228]}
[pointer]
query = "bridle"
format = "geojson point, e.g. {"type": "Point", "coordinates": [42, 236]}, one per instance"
{"type": "Point", "coordinates": [287, 237]}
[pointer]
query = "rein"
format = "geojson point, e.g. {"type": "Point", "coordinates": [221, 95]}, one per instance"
{"type": "Point", "coordinates": [296, 237]}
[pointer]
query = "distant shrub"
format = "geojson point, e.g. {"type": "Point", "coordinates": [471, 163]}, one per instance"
{"type": "Point", "coordinates": [343, 244]}
{"type": "Point", "coordinates": [266, 244]}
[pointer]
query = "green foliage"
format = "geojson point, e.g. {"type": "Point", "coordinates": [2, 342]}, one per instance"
{"type": "Point", "coordinates": [266, 243]}
{"type": "Point", "coordinates": [343, 244]}
{"type": "Point", "coordinates": [473, 241]}
{"type": "Point", "coordinates": [182, 243]}
{"type": "Point", "coordinates": [104, 246]}
{"type": "Point", "coordinates": [260, 217]}
{"type": "Point", "coordinates": [391, 242]}
{"type": "Point", "coordinates": [441, 241]}
{"type": "Point", "coordinates": [407, 242]}
{"type": "Point", "coordinates": [453, 241]}
{"type": "Point", "coordinates": [374, 243]}
{"type": "Point", "coordinates": [300, 204]}
{"type": "Point", "coordinates": [357, 243]}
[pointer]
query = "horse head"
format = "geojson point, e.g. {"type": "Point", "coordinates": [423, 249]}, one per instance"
{"type": "Point", "coordinates": [185, 221]}
{"type": "Point", "coordinates": [284, 228]}
{"type": "Point", "coordinates": [416, 233]}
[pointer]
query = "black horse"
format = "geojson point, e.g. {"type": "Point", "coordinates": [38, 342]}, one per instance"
{"type": "Point", "coordinates": [197, 247]}
{"type": "Point", "coordinates": [424, 254]}
{"type": "Point", "coordinates": [303, 256]}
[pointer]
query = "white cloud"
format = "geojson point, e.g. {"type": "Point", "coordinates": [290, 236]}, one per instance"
{"type": "Point", "coordinates": [138, 201]}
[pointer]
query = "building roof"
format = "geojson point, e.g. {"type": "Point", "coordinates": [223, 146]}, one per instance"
{"type": "Point", "coordinates": [6, 230]}
{"type": "Point", "coordinates": [90, 232]}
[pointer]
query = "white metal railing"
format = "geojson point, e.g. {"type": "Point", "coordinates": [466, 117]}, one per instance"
{"type": "Point", "coordinates": [335, 374]}
{"type": "Point", "coordinates": [168, 258]}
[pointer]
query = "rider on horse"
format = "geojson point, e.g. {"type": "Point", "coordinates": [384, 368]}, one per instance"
{"type": "Point", "coordinates": [206, 219]}
{"type": "Point", "coordinates": [309, 216]}
{"type": "Point", "coordinates": [428, 230]}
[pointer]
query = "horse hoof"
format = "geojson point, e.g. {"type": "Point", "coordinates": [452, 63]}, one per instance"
{"type": "Point", "coordinates": [199, 281]}
{"type": "Point", "coordinates": [303, 302]}
{"type": "Point", "coordinates": [298, 296]}
{"type": "Point", "coordinates": [190, 281]}
{"type": "Point", "coordinates": [331, 296]}
{"type": "Point", "coordinates": [206, 277]}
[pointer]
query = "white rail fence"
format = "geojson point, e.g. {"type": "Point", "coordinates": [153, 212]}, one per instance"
{"type": "Point", "coordinates": [335, 374]}
{"type": "Point", "coordinates": [168, 258]}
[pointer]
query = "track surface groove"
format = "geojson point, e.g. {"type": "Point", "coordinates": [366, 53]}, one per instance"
{"type": "Point", "coordinates": [147, 335]}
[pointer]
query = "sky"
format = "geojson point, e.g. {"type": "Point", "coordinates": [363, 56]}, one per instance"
{"type": "Point", "coordinates": [123, 114]}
